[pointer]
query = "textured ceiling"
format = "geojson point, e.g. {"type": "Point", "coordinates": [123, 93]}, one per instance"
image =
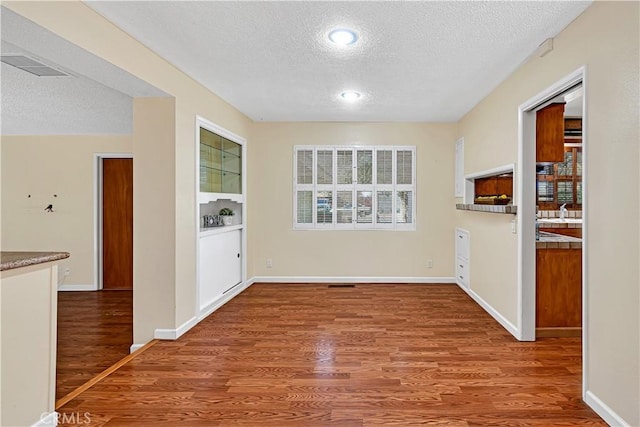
{"type": "Point", "coordinates": [414, 61]}
{"type": "Point", "coordinates": [95, 99]}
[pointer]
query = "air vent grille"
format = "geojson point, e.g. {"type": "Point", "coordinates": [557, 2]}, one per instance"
{"type": "Point", "coordinates": [32, 66]}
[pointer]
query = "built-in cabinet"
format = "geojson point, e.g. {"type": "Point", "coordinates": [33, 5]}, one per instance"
{"type": "Point", "coordinates": [463, 251]}
{"type": "Point", "coordinates": [220, 259]}
{"type": "Point", "coordinates": [221, 162]}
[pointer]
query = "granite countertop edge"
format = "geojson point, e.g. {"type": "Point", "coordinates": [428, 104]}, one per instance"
{"type": "Point", "coordinates": [13, 260]}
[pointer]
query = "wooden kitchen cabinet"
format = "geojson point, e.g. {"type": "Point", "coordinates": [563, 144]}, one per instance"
{"type": "Point", "coordinates": [550, 134]}
{"type": "Point", "coordinates": [494, 185]}
{"type": "Point", "coordinates": [558, 292]}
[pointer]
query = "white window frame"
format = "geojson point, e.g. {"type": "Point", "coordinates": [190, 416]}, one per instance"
{"type": "Point", "coordinates": [354, 187]}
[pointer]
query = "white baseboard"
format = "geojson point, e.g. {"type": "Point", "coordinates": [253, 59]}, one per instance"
{"type": "Point", "coordinates": [602, 409]}
{"type": "Point", "coordinates": [173, 334]}
{"type": "Point", "coordinates": [225, 298]}
{"type": "Point", "coordinates": [349, 279]}
{"type": "Point", "coordinates": [513, 330]}
{"type": "Point", "coordinates": [136, 347]}
{"type": "Point", "coordinates": [47, 420]}
{"type": "Point", "coordinates": [66, 288]}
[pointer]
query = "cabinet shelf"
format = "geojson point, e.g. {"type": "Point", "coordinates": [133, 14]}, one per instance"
{"type": "Point", "coordinates": [222, 171]}
{"type": "Point", "coordinates": [204, 197]}
{"type": "Point", "coordinates": [204, 232]}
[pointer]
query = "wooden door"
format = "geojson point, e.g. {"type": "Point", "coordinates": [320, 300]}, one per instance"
{"type": "Point", "coordinates": [117, 223]}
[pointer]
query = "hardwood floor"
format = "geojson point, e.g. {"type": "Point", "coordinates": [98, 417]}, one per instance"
{"type": "Point", "coordinates": [307, 354]}
{"type": "Point", "coordinates": [95, 330]}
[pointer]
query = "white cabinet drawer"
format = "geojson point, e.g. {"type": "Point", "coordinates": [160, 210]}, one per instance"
{"type": "Point", "coordinates": [462, 272]}
{"type": "Point", "coordinates": [462, 244]}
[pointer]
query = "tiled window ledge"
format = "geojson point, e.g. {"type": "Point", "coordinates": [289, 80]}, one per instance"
{"type": "Point", "coordinates": [500, 209]}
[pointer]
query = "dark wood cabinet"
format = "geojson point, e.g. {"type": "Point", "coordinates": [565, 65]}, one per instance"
{"type": "Point", "coordinates": [558, 292]}
{"type": "Point", "coordinates": [550, 134]}
{"type": "Point", "coordinates": [494, 185]}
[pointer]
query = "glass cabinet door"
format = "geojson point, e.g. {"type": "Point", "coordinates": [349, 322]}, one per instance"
{"type": "Point", "coordinates": [220, 164]}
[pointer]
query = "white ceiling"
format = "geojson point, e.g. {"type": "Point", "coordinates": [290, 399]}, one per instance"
{"type": "Point", "coordinates": [95, 99]}
{"type": "Point", "coordinates": [415, 61]}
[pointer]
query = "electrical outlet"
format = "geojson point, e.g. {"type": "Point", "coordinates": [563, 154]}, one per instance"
{"type": "Point", "coordinates": [429, 263]}
{"type": "Point", "coordinates": [269, 263]}
{"type": "Point", "coordinates": [513, 226]}
{"type": "Point", "coordinates": [67, 271]}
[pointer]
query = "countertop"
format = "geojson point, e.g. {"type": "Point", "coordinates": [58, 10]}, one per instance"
{"type": "Point", "coordinates": [501, 209]}
{"type": "Point", "coordinates": [560, 223]}
{"type": "Point", "coordinates": [557, 241]}
{"type": "Point", "coordinates": [11, 260]}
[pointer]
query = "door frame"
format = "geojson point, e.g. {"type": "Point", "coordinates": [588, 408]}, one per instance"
{"type": "Point", "coordinates": [97, 206]}
{"type": "Point", "coordinates": [526, 264]}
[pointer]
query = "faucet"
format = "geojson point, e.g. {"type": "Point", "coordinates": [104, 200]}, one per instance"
{"type": "Point", "coordinates": [563, 212]}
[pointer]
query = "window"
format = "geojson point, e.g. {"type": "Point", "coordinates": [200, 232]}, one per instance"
{"type": "Point", "coordinates": [354, 187]}
{"type": "Point", "coordinates": [561, 183]}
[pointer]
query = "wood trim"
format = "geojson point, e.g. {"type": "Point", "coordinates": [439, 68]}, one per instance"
{"type": "Point", "coordinates": [564, 332]}
{"type": "Point", "coordinates": [102, 375]}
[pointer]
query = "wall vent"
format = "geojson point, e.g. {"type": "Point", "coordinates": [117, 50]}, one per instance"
{"type": "Point", "coordinates": [31, 65]}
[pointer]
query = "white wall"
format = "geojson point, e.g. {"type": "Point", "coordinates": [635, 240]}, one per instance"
{"type": "Point", "coordinates": [349, 253]}
{"type": "Point", "coordinates": [44, 166]}
{"type": "Point", "coordinates": [605, 39]}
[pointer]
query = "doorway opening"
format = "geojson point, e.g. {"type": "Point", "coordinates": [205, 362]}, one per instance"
{"type": "Point", "coordinates": [534, 190]}
{"type": "Point", "coordinates": [95, 329]}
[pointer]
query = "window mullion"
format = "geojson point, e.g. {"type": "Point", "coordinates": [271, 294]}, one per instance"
{"type": "Point", "coordinates": [373, 205]}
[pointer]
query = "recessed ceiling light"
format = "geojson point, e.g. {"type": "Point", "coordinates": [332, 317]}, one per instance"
{"type": "Point", "coordinates": [343, 36]}
{"type": "Point", "coordinates": [350, 95]}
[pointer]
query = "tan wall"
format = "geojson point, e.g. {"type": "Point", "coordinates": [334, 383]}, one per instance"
{"type": "Point", "coordinates": [42, 166]}
{"type": "Point", "coordinates": [350, 253]}
{"type": "Point", "coordinates": [28, 347]}
{"type": "Point", "coordinates": [74, 21]}
{"type": "Point", "coordinates": [153, 195]}
{"type": "Point", "coordinates": [605, 39]}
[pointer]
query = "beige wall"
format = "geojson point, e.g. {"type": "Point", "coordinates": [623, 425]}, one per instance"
{"type": "Point", "coordinates": [42, 166]}
{"type": "Point", "coordinates": [28, 347]}
{"type": "Point", "coordinates": [349, 253]}
{"type": "Point", "coordinates": [153, 196]}
{"type": "Point", "coordinates": [74, 21]}
{"type": "Point", "coordinates": [605, 39]}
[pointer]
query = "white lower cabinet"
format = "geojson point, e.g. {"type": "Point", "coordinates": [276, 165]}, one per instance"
{"type": "Point", "coordinates": [463, 251]}
{"type": "Point", "coordinates": [220, 265]}
{"type": "Point", "coordinates": [462, 272]}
